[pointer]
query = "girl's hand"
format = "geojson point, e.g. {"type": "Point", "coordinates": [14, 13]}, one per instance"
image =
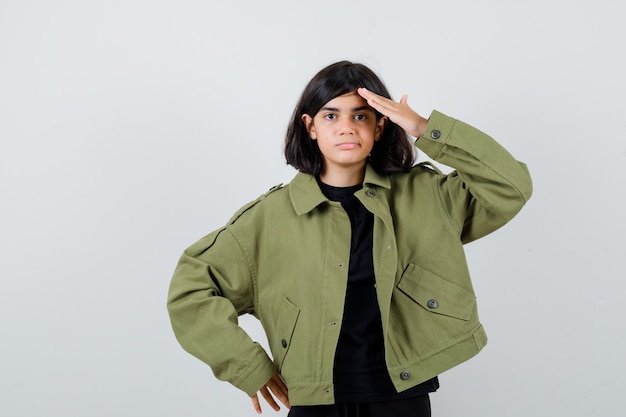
{"type": "Point", "coordinates": [278, 388]}
{"type": "Point", "coordinates": [400, 113]}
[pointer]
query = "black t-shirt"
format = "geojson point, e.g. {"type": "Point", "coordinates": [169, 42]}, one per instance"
{"type": "Point", "coordinates": [360, 371]}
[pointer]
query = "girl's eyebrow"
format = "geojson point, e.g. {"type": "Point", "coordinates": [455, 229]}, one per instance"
{"type": "Point", "coordinates": [336, 109]}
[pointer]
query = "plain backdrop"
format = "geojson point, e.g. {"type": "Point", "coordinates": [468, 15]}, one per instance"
{"type": "Point", "coordinates": [131, 128]}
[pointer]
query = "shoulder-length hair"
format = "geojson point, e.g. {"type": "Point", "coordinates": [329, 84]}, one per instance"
{"type": "Point", "coordinates": [393, 152]}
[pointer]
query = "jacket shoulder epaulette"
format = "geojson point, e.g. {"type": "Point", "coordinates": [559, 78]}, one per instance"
{"type": "Point", "coordinates": [253, 203]}
{"type": "Point", "coordinates": [429, 166]}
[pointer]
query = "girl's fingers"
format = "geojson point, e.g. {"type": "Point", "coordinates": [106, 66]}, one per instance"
{"type": "Point", "coordinates": [382, 104]}
{"type": "Point", "coordinates": [398, 112]}
{"type": "Point", "coordinates": [274, 387]}
{"type": "Point", "coordinates": [279, 389]}
{"type": "Point", "coordinates": [374, 100]}
{"type": "Point", "coordinates": [255, 404]}
{"type": "Point", "coordinates": [269, 399]}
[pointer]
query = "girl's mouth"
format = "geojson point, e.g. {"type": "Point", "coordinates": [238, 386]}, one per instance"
{"type": "Point", "coordinates": [347, 145]}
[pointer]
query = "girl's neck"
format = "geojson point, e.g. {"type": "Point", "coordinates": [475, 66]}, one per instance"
{"type": "Point", "coordinates": [342, 178]}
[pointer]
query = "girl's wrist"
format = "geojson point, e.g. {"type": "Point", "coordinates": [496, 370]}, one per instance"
{"type": "Point", "coordinates": [420, 128]}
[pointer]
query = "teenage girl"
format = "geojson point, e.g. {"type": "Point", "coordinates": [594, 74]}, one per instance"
{"type": "Point", "coordinates": [356, 268]}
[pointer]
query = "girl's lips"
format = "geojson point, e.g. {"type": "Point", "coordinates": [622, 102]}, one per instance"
{"type": "Point", "coordinates": [347, 145]}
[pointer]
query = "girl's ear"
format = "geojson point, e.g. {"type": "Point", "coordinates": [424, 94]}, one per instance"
{"type": "Point", "coordinates": [380, 127]}
{"type": "Point", "coordinates": [310, 127]}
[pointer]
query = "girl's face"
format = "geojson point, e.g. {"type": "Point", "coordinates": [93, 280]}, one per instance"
{"type": "Point", "coordinates": [345, 129]}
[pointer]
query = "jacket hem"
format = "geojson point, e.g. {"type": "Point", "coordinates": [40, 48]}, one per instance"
{"type": "Point", "coordinates": [403, 376]}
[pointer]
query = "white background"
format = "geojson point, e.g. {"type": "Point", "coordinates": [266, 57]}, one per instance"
{"type": "Point", "coordinates": [130, 128]}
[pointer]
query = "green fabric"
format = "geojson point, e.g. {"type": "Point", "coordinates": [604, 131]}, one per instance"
{"type": "Point", "coordinates": [284, 258]}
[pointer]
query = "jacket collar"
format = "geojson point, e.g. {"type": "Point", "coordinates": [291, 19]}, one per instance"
{"type": "Point", "coordinates": [305, 193]}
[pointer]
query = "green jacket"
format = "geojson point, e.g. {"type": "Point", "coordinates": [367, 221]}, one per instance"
{"type": "Point", "coordinates": [284, 259]}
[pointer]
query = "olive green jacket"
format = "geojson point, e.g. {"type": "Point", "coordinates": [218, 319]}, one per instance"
{"type": "Point", "coordinates": [284, 259]}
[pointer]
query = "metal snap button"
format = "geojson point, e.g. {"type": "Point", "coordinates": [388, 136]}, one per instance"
{"type": "Point", "coordinates": [432, 304]}
{"type": "Point", "coordinates": [404, 375]}
{"type": "Point", "coordinates": [284, 343]}
{"type": "Point", "coordinates": [435, 134]}
{"type": "Point", "coordinates": [370, 193]}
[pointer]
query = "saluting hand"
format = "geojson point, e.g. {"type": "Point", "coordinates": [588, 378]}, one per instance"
{"type": "Point", "coordinates": [278, 388]}
{"type": "Point", "coordinates": [398, 112]}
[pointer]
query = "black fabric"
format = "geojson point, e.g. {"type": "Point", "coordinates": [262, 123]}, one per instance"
{"type": "Point", "coordinates": [360, 371]}
{"type": "Point", "coordinates": [408, 407]}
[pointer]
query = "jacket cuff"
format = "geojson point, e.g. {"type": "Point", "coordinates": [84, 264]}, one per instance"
{"type": "Point", "coordinates": [436, 135]}
{"type": "Point", "coordinates": [254, 378]}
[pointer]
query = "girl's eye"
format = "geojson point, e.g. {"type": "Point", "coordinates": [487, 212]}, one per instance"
{"type": "Point", "coordinates": [360, 117]}
{"type": "Point", "coordinates": [330, 116]}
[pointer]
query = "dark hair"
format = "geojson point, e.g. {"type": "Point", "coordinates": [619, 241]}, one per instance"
{"type": "Point", "coordinates": [393, 152]}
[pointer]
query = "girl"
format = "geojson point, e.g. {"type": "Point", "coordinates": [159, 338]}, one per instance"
{"type": "Point", "coordinates": [356, 268]}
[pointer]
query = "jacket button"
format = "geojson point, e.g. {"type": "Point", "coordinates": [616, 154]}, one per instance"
{"type": "Point", "coordinates": [404, 375]}
{"type": "Point", "coordinates": [435, 134]}
{"type": "Point", "coordinates": [370, 193]}
{"type": "Point", "coordinates": [432, 304]}
{"type": "Point", "coordinates": [284, 343]}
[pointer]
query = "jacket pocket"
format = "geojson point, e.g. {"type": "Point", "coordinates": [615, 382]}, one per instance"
{"type": "Point", "coordinates": [287, 319]}
{"type": "Point", "coordinates": [436, 294]}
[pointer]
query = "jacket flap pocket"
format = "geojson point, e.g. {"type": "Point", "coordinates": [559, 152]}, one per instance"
{"type": "Point", "coordinates": [436, 294]}
{"type": "Point", "coordinates": [287, 319]}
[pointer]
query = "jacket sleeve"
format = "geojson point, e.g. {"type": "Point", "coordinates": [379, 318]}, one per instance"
{"type": "Point", "coordinates": [488, 186]}
{"type": "Point", "coordinates": [212, 285]}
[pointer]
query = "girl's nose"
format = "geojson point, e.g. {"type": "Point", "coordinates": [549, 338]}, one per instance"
{"type": "Point", "coordinates": [346, 126]}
